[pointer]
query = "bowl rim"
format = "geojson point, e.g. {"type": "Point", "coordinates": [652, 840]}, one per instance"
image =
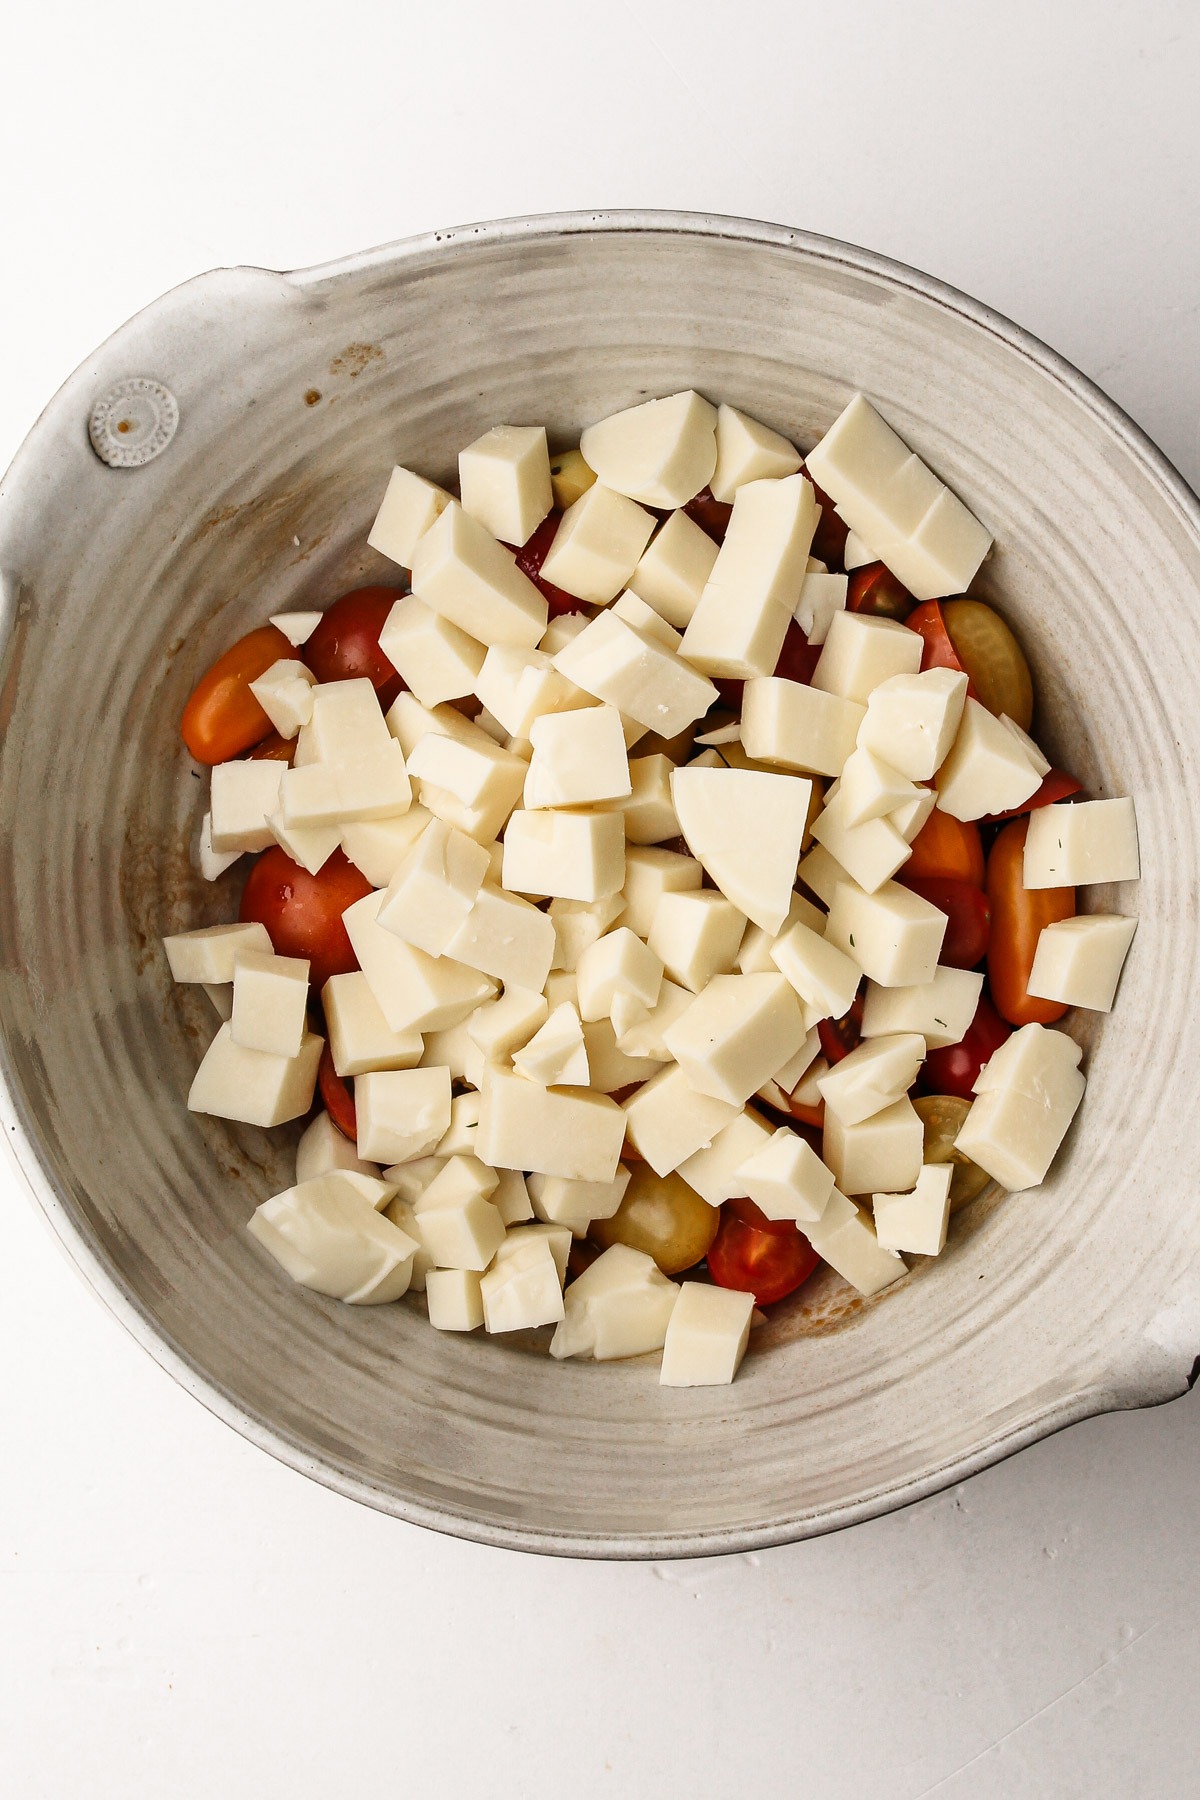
{"type": "Point", "coordinates": [1151, 1382]}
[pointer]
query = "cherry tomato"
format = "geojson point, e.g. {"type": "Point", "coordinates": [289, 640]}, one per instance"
{"type": "Point", "coordinates": [663, 1217]}
{"type": "Point", "coordinates": [875, 590]}
{"type": "Point", "coordinates": [992, 657]}
{"type": "Point", "coordinates": [730, 690]}
{"type": "Point", "coordinates": [530, 558]}
{"type": "Point", "coordinates": [840, 1036]}
{"type": "Point", "coordinates": [829, 540]}
{"type": "Point", "coordinates": [303, 912]}
{"type": "Point", "coordinates": [939, 652]}
{"type": "Point", "coordinates": [759, 1256]}
{"type": "Point", "coordinates": [1057, 785]}
{"type": "Point", "coordinates": [947, 849]}
{"type": "Point", "coordinates": [222, 719]}
{"type": "Point", "coordinates": [712, 515]}
{"type": "Point", "coordinates": [1018, 915]}
{"type": "Point", "coordinates": [345, 645]}
{"type": "Point", "coordinates": [966, 906]}
{"type": "Point", "coordinates": [798, 658]}
{"type": "Point", "coordinates": [954, 1069]}
{"type": "Point", "coordinates": [338, 1096]}
{"type": "Point", "coordinates": [275, 749]}
{"type": "Point", "coordinates": [942, 1117]}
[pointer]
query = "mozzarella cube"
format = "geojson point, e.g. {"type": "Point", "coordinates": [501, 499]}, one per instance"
{"type": "Point", "coordinates": [578, 924]}
{"type": "Point", "coordinates": [674, 568]}
{"type": "Point", "coordinates": [377, 847]}
{"type": "Point", "coordinates": [410, 1179]}
{"type": "Point", "coordinates": [641, 1035]}
{"type": "Point", "coordinates": [284, 691]}
{"type": "Point", "coordinates": [512, 1202]}
{"type": "Point", "coordinates": [789, 1076]}
{"type": "Point", "coordinates": [360, 1038]}
{"type": "Point", "coordinates": [940, 1010]}
{"type": "Point", "coordinates": [463, 573]}
{"type": "Point", "coordinates": [434, 888]}
{"type": "Point", "coordinates": [872, 1077]}
{"type": "Point", "coordinates": [505, 936]}
{"type": "Point", "coordinates": [569, 477]}
{"type": "Point", "coordinates": [502, 1026]}
{"type": "Point", "coordinates": [347, 727]}
{"type": "Point", "coordinates": [211, 864]}
{"type": "Point", "coordinates": [504, 479]}
{"type": "Point", "coordinates": [409, 507]}
{"type": "Point", "coordinates": [944, 553]}
{"type": "Point", "coordinates": [597, 545]}
{"type": "Point", "coordinates": [270, 1002]}
{"type": "Point", "coordinates": [327, 1235]}
{"type": "Point", "coordinates": [297, 627]}
{"type": "Point", "coordinates": [455, 1301]}
{"type": "Point", "coordinates": [988, 770]}
{"type": "Point", "coordinates": [714, 1170]}
{"type": "Point", "coordinates": [642, 617]}
{"type": "Point", "coordinates": [662, 452]}
{"type": "Point", "coordinates": [696, 935]}
{"type": "Point", "coordinates": [742, 618]}
{"type": "Point", "coordinates": [894, 935]}
{"type": "Point", "coordinates": [870, 853]}
{"type": "Point", "coordinates": [318, 795]}
{"type": "Point", "coordinates": [798, 727]}
{"type": "Point", "coordinates": [408, 722]}
{"type": "Point", "coordinates": [579, 758]}
{"type": "Point", "coordinates": [736, 1034]}
{"type": "Point", "coordinates": [648, 810]}
{"type": "Point", "coordinates": [572, 856]}
{"type": "Point", "coordinates": [668, 1120]}
{"type": "Point", "coordinates": [822, 874]}
{"type": "Point", "coordinates": [309, 845]}
{"type": "Point", "coordinates": [916, 1222]}
{"type": "Point", "coordinates": [747, 829]}
{"type": "Point", "coordinates": [548, 1131]}
{"type": "Point", "coordinates": [459, 1137]}
{"type": "Point", "coordinates": [650, 873]}
{"type": "Point", "coordinates": [822, 596]}
{"type": "Point", "coordinates": [255, 1087]}
{"type": "Point", "coordinates": [555, 1055]}
{"type": "Point", "coordinates": [825, 977]}
{"type": "Point", "coordinates": [1076, 844]}
{"type": "Point", "coordinates": [860, 652]}
{"type": "Point", "coordinates": [846, 1239]}
{"type": "Point", "coordinates": [637, 674]}
{"type": "Point", "coordinates": [879, 1154]}
{"type": "Point", "coordinates": [402, 1113]}
{"type": "Point", "coordinates": [561, 986]}
{"type": "Point", "coordinates": [414, 992]}
{"type": "Point", "coordinates": [856, 554]}
{"type": "Point", "coordinates": [1027, 1096]}
{"type": "Point", "coordinates": [459, 1234]}
{"type": "Point", "coordinates": [557, 1238]}
{"type": "Point", "coordinates": [210, 953]}
{"type": "Point", "coordinates": [524, 1290]}
{"type": "Point", "coordinates": [620, 1306]}
{"type": "Point", "coordinates": [754, 952]}
{"type": "Point", "coordinates": [873, 789]}
{"type": "Point", "coordinates": [400, 1213]}
{"type": "Point", "coordinates": [562, 630]}
{"type": "Point", "coordinates": [1078, 962]}
{"type": "Point", "coordinates": [323, 1147]}
{"type": "Point", "coordinates": [786, 1179]}
{"type": "Point", "coordinates": [611, 1068]}
{"type": "Point", "coordinates": [909, 818]}
{"type": "Point", "coordinates": [519, 686]}
{"type": "Point", "coordinates": [748, 451]}
{"type": "Point", "coordinates": [244, 794]}
{"type": "Point", "coordinates": [436, 659]}
{"type": "Point", "coordinates": [617, 963]}
{"type": "Point", "coordinates": [481, 777]}
{"type": "Point", "coordinates": [575, 1204]}
{"type": "Point", "coordinates": [706, 1337]}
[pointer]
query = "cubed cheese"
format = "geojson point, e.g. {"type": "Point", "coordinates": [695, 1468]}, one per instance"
{"type": "Point", "coordinates": [881, 1154]}
{"type": "Point", "coordinates": [739, 626]}
{"type": "Point", "coordinates": [512, 1202]}
{"type": "Point", "coordinates": [674, 568]}
{"type": "Point", "coordinates": [786, 1179]}
{"type": "Point", "coordinates": [519, 686]}
{"type": "Point", "coordinates": [284, 691]}
{"type": "Point", "coordinates": [650, 873]}
{"type": "Point", "coordinates": [821, 598]}
{"type": "Point", "coordinates": [856, 554]}
{"type": "Point", "coordinates": [648, 809]}
{"type": "Point", "coordinates": [916, 1222]}
{"type": "Point", "coordinates": [460, 570]}
{"type": "Point", "coordinates": [482, 778]}
{"type": "Point", "coordinates": [347, 727]}
{"type": "Point", "coordinates": [714, 1171]}
{"type": "Point", "coordinates": [575, 1204]}
{"type": "Point", "coordinates": [696, 935]}
{"type": "Point", "coordinates": [504, 479]}
{"type": "Point", "coordinates": [323, 1147]}
{"type": "Point", "coordinates": [253, 1086]}
{"type": "Point", "coordinates": [309, 845]}
{"type": "Point", "coordinates": [798, 727]}
{"type": "Point", "coordinates": [748, 451]}
{"type": "Point", "coordinates": [408, 722]}
{"type": "Point", "coordinates": [574, 856]}
{"type": "Point", "coordinates": [706, 1336]}
{"type": "Point", "coordinates": [270, 1002]}
{"type": "Point", "coordinates": [940, 1010]}
{"type": "Point", "coordinates": [524, 1290]}
{"type": "Point", "coordinates": [431, 893]}
{"type": "Point", "coordinates": [297, 627]}
{"type": "Point", "coordinates": [505, 936]}
{"type": "Point", "coordinates": [617, 963]}
{"type": "Point", "coordinates": [642, 1034]}
{"type": "Point", "coordinates": [455, 1302]}
{"type": "Point", "coordinates": [244, 794]}
{"type": "Point", "coordinates": [459, 1136]}
{"type": "Point", "coordinates": [846, 1239]}
{"type": "Point", "coordinates": [667, 1120]}
{"type": "Point", "coordinates": [872, 1077]}
{"type": "Point", "coordinates": [894, 935]}
{"type": "Point", "coordinates": [873, 789]}
{"type": "Point", "coordinates": [754, 952]}
{"type": "Point", "coordinates": [410, 1180]}
{"type": "Point", "coordinates": [642, 616]}
{"type": "Point", "coordinates": [211, 863]}
{"type": "Point", "coordinates": [556, 1055]}
{"type": "Point", "coordinates": [561, 986]}
{"type": "Point", "coordinates": [360, 1038]}
{"type": "Point", "coordinates": [1078, 962]}
{"type": "Point", "coordinates": [502, 1026]}
{"type": "Point", "coordinates": [1027, 1096]}
{"type": "Point", "coordinates": [378, 846]}
{"type": "Point", "coordinates": [570, 476]}
{"type": "Point", "coordinates": [912, 721]}
{"type": "Point", "coordinates": [909, 818]}
{"type": "Point", "coordinates": [822, 874]}
{"type": "Point", "coordinates": [210, 953]}
{"type": "Point", "coordinates": [747, 829]}
{"type": "Point", "coordinates": [870, 853]}
{"type": "Point", "coordinates": [597, 546]}
{"type": "Point", "coordinates": [736, 1034]}
{"type": "Point", "coordinates": [661, 452]}
{"type": "Point", "coordinates": [578, 924]}
{"type": "Point", "coordinates": [437, 659]}
{"type": "Point", "coordinates": [611, 1068]}
{"type": "Point", "coordinates": [410, 506]}
{"type": "Point", "coordinates": [558, 1238]}
{"type": "Point", "coordinates": [860, 652]}
{"type": "Point", "coordinates": [402, 1113]}
{"type": "Point", "coordinates": [400, 1213]}
{"type": "Point", "coordinates": [463, 1232]}
{"type": "Point", "coordinates": [825, 977]}
{"type": "Point", "coordinates": [1078, 843]}
{"type": "Point", "coordinates": [414, 992]}
{"type": "Point", "coordinates": [327, 1235]}
{"type": "Point", "coordinates": [988, 770]}
{"type": "Point", "coordinates": [579, 758]}
{"type": "Point", "coordinates": [631, 670]}
{"type": "Point", "coordinates": [620, 1306]}
{"type": "Point", "coordinates": [548, 1131]}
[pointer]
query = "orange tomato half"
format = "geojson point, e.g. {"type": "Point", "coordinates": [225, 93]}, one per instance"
{"type": "Point", "coordinates": [1018, 915]}
{"type": "Point", "coordinates": [222, 719]}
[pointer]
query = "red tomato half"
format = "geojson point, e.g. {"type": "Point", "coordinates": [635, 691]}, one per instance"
{"type": "Point", "coordinates": [338, 1097]}
{"type": "Point", "coordinates": [530, 558]}
{"type": "Point", "coordinates": [829, 539]}
{"type": "Point", "coordinates": [759, 1256]}
{"type": "Point", "coordinates": [966, 906]}
{"type": "Point", "coordinates": [840, 1036]}
{"type": "Point", "coordinates": [939, 652]}
{"type": "Point", "coordinates": [1057, 785]}
{"type": "Point", "coordinates": [345, 645]}
{"type": "Point", "coordinates": [954, 1069]}
{"type": "Point", "coordinates": [222, 719]}
{"type": "Point", "coordinates": [875, 590]}
{"type": "Point", "coordinates": [303, 912]}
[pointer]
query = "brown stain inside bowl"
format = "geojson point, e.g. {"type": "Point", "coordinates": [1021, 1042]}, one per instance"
{"type": "Point", "coordinates": [354, 359]}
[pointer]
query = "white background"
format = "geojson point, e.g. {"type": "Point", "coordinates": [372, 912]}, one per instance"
{"type": "Point", "coordinates": [179, 1616]}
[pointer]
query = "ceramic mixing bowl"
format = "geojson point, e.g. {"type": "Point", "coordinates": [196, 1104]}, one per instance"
{"type": "Point", "coordinates": [295, 394]}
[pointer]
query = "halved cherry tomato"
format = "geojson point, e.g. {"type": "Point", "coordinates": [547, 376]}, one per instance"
{"type": "Point", "coordinates": [875, 590]}
{"type": "Point", "coordinates": [345, 645]}
{"type": "Point", "coordinates": [798, 658]}
{"type": "Point", "coordinates": [966, 906]}
{"type": "Point", "coordinates": [993, 659]}
{"type": "Point", "coordinates": [712, 516]}
{"type": "Point", "coordinates": [955, 1068]}
{"type": "Point", "coordinates": [338, 1096]}
{"type": "Point", "coordinates": [764, 1257]}
{"type": "Point", "coordinates": [303, 912]}
{"type": "Point", "coordinates": [829, 539]}
{"type": "Point", "coordinates": [840, 1036]}
{"type": "Point", "coordinates": [661, 1216]}
{"type": "Point", "coordinates": [1057, 785]}
{"type": "Point", "coordinates": [222, 719]}
{"type": "Point", "coordinates": [939, 652]}
{"type": "Point", "coordinates": [530, 557]}
{"type": "Point", "coordinates": [942, 1117]}
{"type": "Point", "coordinates": [947, 849]}
{"type": "Point", "coordinates": [275, 749]}
{"type": "Point", "coordinates": [1018, 915]}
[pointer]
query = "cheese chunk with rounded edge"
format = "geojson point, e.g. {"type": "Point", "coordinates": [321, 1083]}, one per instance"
{"type": "Point", "coordinates": [519, 686]}
{"type": "Point", "coordinates": [569, 856]}
{"type": "Point", "coordinates": [252, 1086]}
{"type": "Point", "coordinates": [620, 1306]}
{"type": "Point", "coordinates": [524, 1290]}
{"type": "Point", "coordinates": [714, 1170]}
{"type": "Point", "coordinates": [742, 618]}
{"type": "Point", "coordinates": [327, 1235]}
{"type": "Point", "coordinates": [1027, 1096]}
{"type": "Point", "coordinates": [244, 794]}
{"type": "Point", "coordinates": [707, 1335]}
{"type": "Point", "coordinates": [825, 977]}
{"type": "Point", "coordinates": [870, 853]}
{"type": "Point", "coordinates": [860, 652]}
{"type": "Point", "coordinates": [377, 847]}
{"type": "Point", "coordinates": [747, 829]}
{"type": "Point", "coordinates": [504, 480]}
{"type": "Point", "coordinates": [786, 1179]}
{"type": "Point", "coordinates": [556, 1055]}
{"type": "Point", "coordinates": [505, 936]}
{"type": "Point", "coordinates": [409, 507]}
{"type": "Point", "coordinates": [696, 935]}
{"type": "Point", "coordinates": [880, 1154]}
{"type": "Point", "coordinates": [437, 659]}
{"type": "Point", "coordinates": [894, 935]}
{"type": "Point", "coordinates": [667, 1120]}
{"type": "Point", "coordinates": [455, 1301]}
{"type": "Point", "coordinates": [916, 1222]}
{"type": "Point", "coordinates": [575, 1204]}
{"type": "Point", "coordinates": [661, 453]}
{"type": "Point", "coordinates": [940, 1010]}
{"type": "Point", "coordinates": [434, 888]}
{"type": "Point", "coordinates": [548, 1131]}
{"type": "Point", "coordinates": [209, 954]}
{"type": "Point", "coordinates": [873, 789]}
{"type": "Point", "coordinates": [641, 677]}
{"type": "Point", "coordinates": [912, 721]}
{"type": "Point", "coordinates": [651, 872]}
{"type": "Point", "coordinates": [798, 727]}
{"type": "Point", "coordinates": [641, 1034]}
{"type": "Point", "coordinates": [674, 568]}
{"type": "Point", "coordinates": [988, 770]}
{"type": "Point", "coordinates": [736, 1034]}
{"type": "Point", "coordinates": [821, 598]}
{"type": "Point", "coordinates": [414, 992]}
{"type": "Point", "coordinates": [323, 1147]}
{"type": "Point", "coordinates": [578, 924]}
{"type": "Point", "coordinates": [748, 451]}
{"type": "Point", "coordinates": [619, 962]}
{"type": "Point", "coordinates": [872, 1077]}
{"type": "Point", "coordinates": [402, 1113]}
{"type": "Point", "coordinates": [846, 1239]}
{"type": "Point", "coordinates": [360, 1038]}
{"type": "Point", "coordinates": [284, 691]}
{"type": "Point", "coordinates": [1084, 842]}
{"type": "Point", "coordinates": [1078, 962]}
{"type": "Point", "coordinates": [579, 758]}
{"type": "Point", "coordinates": [597, 546]}
{"type": "Point", "coordinates": [463, 573]}
{"type": "Point", "coordinates": [297, 627]}
{"type": "Point", "coordinates": [501, 1026]}
{"type": "Point", "coordinates": [270, 1002]}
